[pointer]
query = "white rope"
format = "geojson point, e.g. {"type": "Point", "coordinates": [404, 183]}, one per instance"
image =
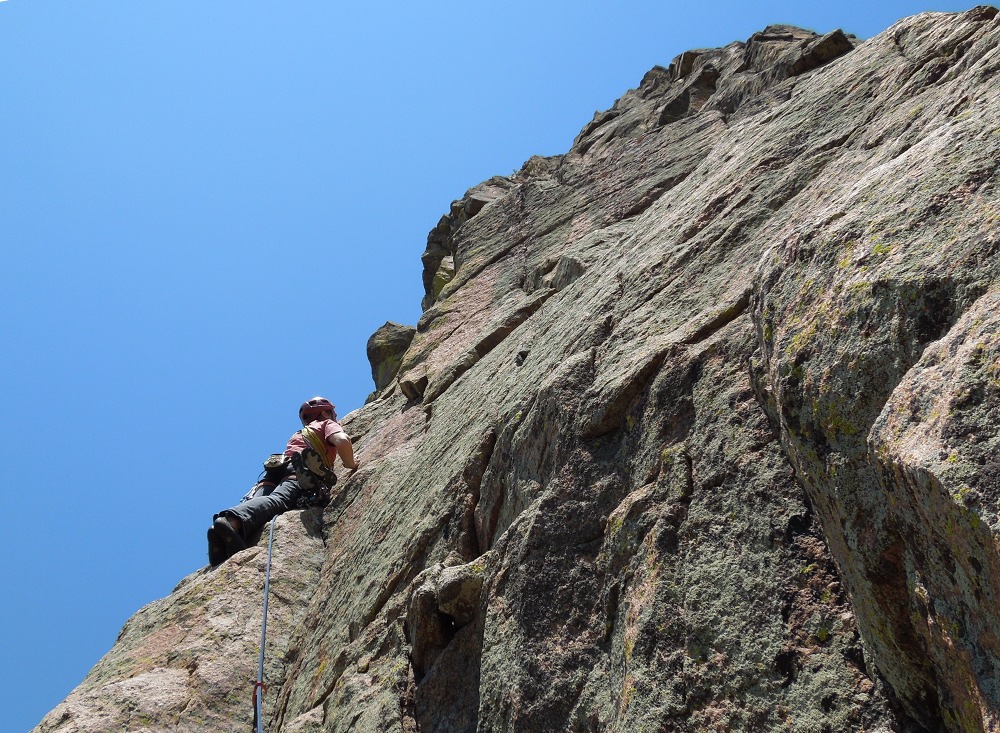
{"type": "Point", "coordinates": [259, 687]}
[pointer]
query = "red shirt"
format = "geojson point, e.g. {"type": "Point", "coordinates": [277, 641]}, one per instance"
{"type": "Point", "coordinates": [326, 428]}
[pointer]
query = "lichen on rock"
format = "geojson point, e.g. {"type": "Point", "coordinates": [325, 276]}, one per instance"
{"type": "Point", "coordinates": [386, 349]}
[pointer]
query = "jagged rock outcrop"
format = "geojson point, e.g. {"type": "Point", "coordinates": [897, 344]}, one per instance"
{"type": "Point", "coordinates": [386, 349]}
{"type": "Point", "coordinates": [698, 430]}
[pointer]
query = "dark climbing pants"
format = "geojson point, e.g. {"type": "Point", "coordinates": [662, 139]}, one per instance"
{"type": "Point", "coordinates": [257, 512]}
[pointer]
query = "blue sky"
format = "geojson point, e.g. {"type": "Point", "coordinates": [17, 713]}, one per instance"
{"type": "Point", "coordinates": [206, 208]}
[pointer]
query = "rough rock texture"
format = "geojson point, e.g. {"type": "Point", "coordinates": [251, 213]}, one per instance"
{"type": "Point", "coordinates": [188, 661]}
{"type": "Point", "coordinates": [698, 430]}
{"type": "Point", "coordinates": [386, 348]}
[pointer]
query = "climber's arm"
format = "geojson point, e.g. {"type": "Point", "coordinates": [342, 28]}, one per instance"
{"type": "Point", "coordinates": [345, 449]}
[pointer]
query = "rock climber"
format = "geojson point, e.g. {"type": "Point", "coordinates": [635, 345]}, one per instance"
{"type": "Point", "coordinates": [303, 478]}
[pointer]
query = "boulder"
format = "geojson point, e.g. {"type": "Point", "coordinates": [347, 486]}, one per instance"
{"type": "Point", "coordinates": [385, 351]}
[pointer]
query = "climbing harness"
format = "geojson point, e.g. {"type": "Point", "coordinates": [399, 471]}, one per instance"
{"type": "Point", "coordinates": [259, 688]}
{"type": "Point", "coordinates": [277, 468]}
{"type": "Point", "coordinates": [313, 468]}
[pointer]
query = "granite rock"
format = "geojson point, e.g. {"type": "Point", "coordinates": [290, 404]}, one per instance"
{"type": "Point", "coordinates": [697, 431]}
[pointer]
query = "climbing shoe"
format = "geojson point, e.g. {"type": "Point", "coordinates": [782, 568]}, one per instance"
{"type": "Point", "coordinates": [223, 541]}
{"type": "Point", "coordinates": [216, 548]}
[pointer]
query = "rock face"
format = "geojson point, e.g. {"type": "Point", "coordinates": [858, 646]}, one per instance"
{"type": "Point", "coordinates": [698, 432]}
{"type": "Point", "coordinates": [188, 661]}
{"type": "Point", "coordinates": [386, 348]}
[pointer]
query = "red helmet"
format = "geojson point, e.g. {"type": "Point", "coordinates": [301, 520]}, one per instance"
{"type": "Point", "coordinates": [312, 408]}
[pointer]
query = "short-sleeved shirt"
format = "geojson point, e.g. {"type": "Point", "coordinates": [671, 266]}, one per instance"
{"type": "Point", "coordinates": [325, 428]}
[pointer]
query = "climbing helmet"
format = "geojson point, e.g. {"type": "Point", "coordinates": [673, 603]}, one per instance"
{"type": "Point", "coordinates": [312, 408]}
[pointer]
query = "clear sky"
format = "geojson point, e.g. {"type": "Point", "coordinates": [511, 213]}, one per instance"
{"type": "Point", "coordinates": [206, 208]}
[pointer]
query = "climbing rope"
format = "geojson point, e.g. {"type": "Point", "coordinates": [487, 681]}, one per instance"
{"type": "Point", "coordinates": [259, 688]}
